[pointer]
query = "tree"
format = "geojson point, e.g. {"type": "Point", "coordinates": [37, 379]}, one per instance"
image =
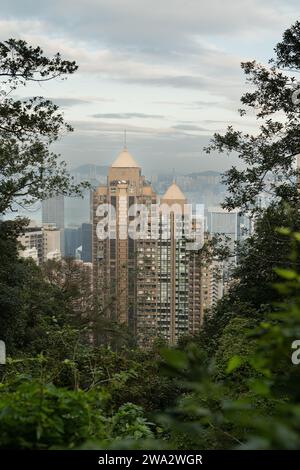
{"type": "Point", "coordinates": [268, 156]}
{"type": "Point", "coordinates": [29, 305]}
{"type": "Point", "coordinates": [29, 171]}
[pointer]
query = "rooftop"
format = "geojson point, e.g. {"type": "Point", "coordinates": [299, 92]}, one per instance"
{"type": "Point", "coordinates": [125, 160]}
{"type": "Point", "coordinates": [174, 192]}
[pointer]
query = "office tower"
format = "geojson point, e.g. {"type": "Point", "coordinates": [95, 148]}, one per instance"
{"type": "Point", "coordinates": [53, 211]}
{"type": "Point", "coordinates": [231, 227]}
{"type": "Point", "coordinates": [86, 254]}
{"type": "Point", "coordinates": [32, 241]}
{"type": "Point", "coordinates": [77, 209]}
{"type": "Point", "coordinates": [72, 240]}
{"type": "Point", "coordinates": [224, 223]}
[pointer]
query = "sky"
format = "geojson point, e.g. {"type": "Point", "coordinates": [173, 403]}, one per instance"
{"type": "Point", "coordinates": [167, 71]}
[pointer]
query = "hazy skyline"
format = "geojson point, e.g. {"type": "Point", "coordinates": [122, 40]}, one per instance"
{"type": "Point", "coordinates": [169, 75]}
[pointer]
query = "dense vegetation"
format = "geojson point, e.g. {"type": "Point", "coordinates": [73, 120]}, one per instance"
{"type": "Point", "coordinates": [73, 379]}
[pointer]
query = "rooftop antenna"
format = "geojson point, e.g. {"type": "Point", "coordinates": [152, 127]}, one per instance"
{"type": "Point", "coordinates": [173, 175]}
{"type": "Point", "coordinates": [125, 140]}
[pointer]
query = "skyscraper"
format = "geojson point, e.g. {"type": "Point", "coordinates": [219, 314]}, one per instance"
{"type": "Point", "coordinates": [163, 307]}
{"type": "Point", "coordinates": [114, 261]}
{"type": "Point", "coordinates": [72, 240]}
{"type": "Point", "coordinates": [86, 230]}
{"type": "Point", "coordinates": [53, 211]}
{"type": "Point", "coordinates": [151, 282]}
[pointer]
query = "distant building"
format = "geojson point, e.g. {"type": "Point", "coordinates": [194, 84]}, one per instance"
{"type": "Point", "coordinates": [230, 228]}
{"type": "Point", "coordinates": [30, 253]}
{"type": "Point", "coordinates": [53, 211]}
{"type": "Point", "coordinates": [54, 255]}
{"type": "Point", "coordinates": [78, 253]}
{"type": "Point", "coordinates": [224, 223]}
{"type": "Point", "coordinates": [72, 240]}
{"type": "Point", "coordinates": [52, 242]}
{"type": "Point", "coordinates": [32, 241]}
{"type": "Point", "coordinates": [40, 242]}
{"type": "Point", "coordinates": [86, 231]}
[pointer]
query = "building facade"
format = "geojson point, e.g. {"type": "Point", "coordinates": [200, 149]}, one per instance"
{"type": "Point", "coordinates": [52, 242]}
{"type": "Point", "coordinates": [40, 242]}
{"type": "Point", "coordinates": [32, 242]}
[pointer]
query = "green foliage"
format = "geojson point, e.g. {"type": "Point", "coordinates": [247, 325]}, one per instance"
{"type": "Point", "coordinates": [29, 171]}
{"type": "Point", "coordinates": [248, 395]}
{"type": "Point", "coordinates": [235, 344]}
{"type": "Point", "coordinates": [129, 423]}
{"type": "Point", "coordinates": [33, 415]}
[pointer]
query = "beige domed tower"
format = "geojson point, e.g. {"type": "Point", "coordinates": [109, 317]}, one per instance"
{"type": "Point", "coordinates": [114, 259]}
{"type": "Point", "coordinates": [125, 168]}
{"type": "Point", "coordinates": [174, 195]}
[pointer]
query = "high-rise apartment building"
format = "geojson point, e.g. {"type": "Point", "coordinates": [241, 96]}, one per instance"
{"type": "Point", "coordinates": [114, 256]}
{"type": "Point", "coordinates": [164, 282]}
{"type": "Point", "coordinates": [152, 281]}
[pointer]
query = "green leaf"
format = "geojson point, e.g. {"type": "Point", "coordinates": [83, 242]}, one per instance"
{"type": "Point", "coordinates": [260, 387]}
{"type": "Point", "coordinates": [175, 358]}
{"type": "Point", "coordinates": [234, 363]}
{"type": "Point", "coordinates": [283, 231]}
{"type": "Point", "coordinates": [288, 274]}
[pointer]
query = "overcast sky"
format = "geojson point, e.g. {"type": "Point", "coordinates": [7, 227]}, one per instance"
{"type": "Point", "coordinates": [166, 70]}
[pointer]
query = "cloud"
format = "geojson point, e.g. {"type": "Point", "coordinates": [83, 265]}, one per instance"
{"type": "Point", "coordinates": [190, 127]}
{"type": "Point", "coordinates": [210, 70]}
{"type": "Point", "coordinates": [171, 45]}
{"type": "Point", "coordinates": [170, 25]}
{"type": "Point", "coordinates": [69, 102]}
{"type": "Point", "coordinates": [90, 127]}
{"type": "Point", "coordinates": [126, 116]}
{"type": "Point", "coordinates": [148, 56]}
